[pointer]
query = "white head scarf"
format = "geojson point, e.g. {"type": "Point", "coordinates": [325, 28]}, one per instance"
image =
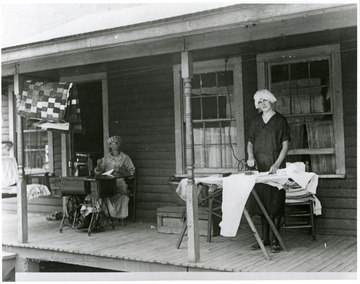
{"type": "Point", "coordinates": [115, 139]}
{"type": "Point", "coordinates": [265, 95]}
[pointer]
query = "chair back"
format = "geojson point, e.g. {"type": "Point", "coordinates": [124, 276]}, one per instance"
{"type": "Point", "coordinates": [131, 182]}
{"type": "Point", "coordinates": [43, 179]}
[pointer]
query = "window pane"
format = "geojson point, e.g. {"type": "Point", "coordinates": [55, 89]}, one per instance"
{"type": "Point", "coordinates": [195, 108]}
{"type": "Point", "coordinates": [198, 133]}
{"type": "Point", "coordinates": [213, 143]}
{"type": "Point", "coordinates": [199, 151]}
{"type": "Point", "coordinates": [279, 73]}
{"type": "Point", "coordinates": [225, 78]}
{"type": "Point", "coordinates": [195, 81]}
{"type": "Point", "coordinates": [300, 100]}
{"type": "Point", "coordinates": [319, 69]}
{"type": "Point", "coordinates": [36, 151]}
{"type": "Point", "coordinates": [210, 107]}
{"type": "Point", "coordinates": [208, 84]}
{"type": "Point", "coordinates": [214, 156]}
{"type": "Point", "coordinates": [212, 135]}
{"type": "Point", "coordinates": [229, 160]}
{"type": "Point", "coordinates": [299, 71]}
{"type": "Point", "coordinates": [298, 136]}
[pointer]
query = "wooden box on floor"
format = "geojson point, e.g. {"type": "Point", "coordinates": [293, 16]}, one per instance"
{"type": "Point", "coordinates": [170, 220]}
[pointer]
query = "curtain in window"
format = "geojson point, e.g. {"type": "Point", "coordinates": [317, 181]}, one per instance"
{"type": "Point", "coordinates": [321, 135]}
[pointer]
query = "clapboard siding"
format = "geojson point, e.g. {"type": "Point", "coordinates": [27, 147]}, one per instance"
{"type": "Point", "coordinates": [141, 109]}
{"type": "Point", "coordinates": [41, 205]}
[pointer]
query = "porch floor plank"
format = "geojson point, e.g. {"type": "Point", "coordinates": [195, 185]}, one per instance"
{"type": "Point", "coordinates": [141, 243]}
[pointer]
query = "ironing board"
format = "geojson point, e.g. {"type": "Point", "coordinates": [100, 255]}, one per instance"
{"type": "Point", "coordinates": [218, 180]}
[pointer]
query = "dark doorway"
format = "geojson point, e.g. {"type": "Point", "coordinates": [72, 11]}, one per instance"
{"type": "Point", "coordinates": [90, 139]}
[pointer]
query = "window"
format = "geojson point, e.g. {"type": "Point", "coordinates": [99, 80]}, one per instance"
{"type": "Point", "coordinates": [307, 85]}
{"type": "Point", "coordinates": [216, 117]}
{"type": "Point", "coordinates": [36, 148]}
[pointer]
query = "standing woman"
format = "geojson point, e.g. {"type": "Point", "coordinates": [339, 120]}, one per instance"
{"type": "Point", "coordinates": [268, 144]}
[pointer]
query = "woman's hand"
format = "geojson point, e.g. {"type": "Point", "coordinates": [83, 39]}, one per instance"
{"type": "Point", "coordinates": [121, 172]}
{"type": "Point", "coordinates": [251, 162]}
{"type": "Point", "coordinates": [99, 162]}
{"type": "Point", "coordinates": [273, 169]}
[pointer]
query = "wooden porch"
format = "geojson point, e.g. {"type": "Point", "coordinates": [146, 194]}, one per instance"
{"type": "Point", "coordinates": [138, 247]}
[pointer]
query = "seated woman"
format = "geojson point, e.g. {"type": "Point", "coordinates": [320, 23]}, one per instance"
{"type": "Point", "coordinates": [122, 166]}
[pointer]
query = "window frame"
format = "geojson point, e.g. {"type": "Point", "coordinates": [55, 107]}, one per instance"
{"type": "Point", "coordinates": [333, 53]}
{"type": "Point", "coordinates": [217, 65]}
{"type": "Point", "coordinates": [50, 168]}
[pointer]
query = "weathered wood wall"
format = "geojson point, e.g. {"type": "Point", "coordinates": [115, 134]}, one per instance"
{"type": "Point", "coordinates": [141, 111]}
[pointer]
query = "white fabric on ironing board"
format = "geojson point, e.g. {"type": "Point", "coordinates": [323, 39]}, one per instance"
{"type": "Point", "coordinates": [213, 179]}
{"type": "Point", "coordinates": [236, 190]}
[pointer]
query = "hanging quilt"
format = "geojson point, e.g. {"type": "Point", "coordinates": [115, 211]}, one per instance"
{"type": "Point", "coordinates": [55, 102]}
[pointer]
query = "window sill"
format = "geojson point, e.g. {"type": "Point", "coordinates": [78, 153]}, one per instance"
{"type": "Point", "coordinates": [181, 175]}
{"type": "Point", "coordinates": [332, 176]}
{"type": "Point", "coordinates": [208, 172]}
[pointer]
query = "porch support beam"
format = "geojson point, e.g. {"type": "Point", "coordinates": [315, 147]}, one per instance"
{"type": "Point", "coordinates": [21, 184]}
{"type": "Point", "coordinates": [191, 193]}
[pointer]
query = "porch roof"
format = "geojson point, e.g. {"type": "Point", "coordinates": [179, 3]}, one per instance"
{"type": "Point", "coordinates": [114, 35]}
{"type": "Point", "coordinates": [144, 13]}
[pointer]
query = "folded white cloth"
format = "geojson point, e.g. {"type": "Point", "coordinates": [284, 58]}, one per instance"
{"type": "Point", "coordinates": [317, 205]}
{"type": "Point", "coordinates": [236, 190]}
{"type": "Point", "coordinates": [9, 171]}
{"type": "Point", "coordinates": [35, 190]}
{"type": "Point", "coordinates": [213, 179]}
{"type": "Point", "coordinates": [306, 180]}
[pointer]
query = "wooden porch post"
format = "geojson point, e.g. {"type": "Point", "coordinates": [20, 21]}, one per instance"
{"type": "Point", "coordinates": [191, 201]}
{"type": "Point", "coordinates": [21, 185]}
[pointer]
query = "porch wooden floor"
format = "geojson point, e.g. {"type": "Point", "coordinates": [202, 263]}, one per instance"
{"type": "Point", "coordinates": [138, 247]}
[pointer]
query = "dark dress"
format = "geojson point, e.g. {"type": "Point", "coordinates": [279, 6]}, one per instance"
{"type": "Point", "coordinates": [267, 140]}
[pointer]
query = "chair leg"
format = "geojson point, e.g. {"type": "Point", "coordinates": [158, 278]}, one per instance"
{"type": "Point", "coordinates": [209, 225]}
{"type": "Point", "coordinates": [134, 210]}
{"type": "Point", "coordinates": [312, 220]}
{"type": "Point", "coordinates": [181, 236]}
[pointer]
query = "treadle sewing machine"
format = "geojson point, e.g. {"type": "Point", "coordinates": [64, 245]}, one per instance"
{"type": "Point", "coordinates": [75, 189]}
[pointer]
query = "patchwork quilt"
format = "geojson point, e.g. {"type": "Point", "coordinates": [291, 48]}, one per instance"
{"type": "Point", "coordinates": [51, 102]}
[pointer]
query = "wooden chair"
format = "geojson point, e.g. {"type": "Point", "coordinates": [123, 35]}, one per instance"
{"type": "Point", "coordinates": [212, 202]}
{"type": "Point", "coordinates": [43, 179]}
{"type": "Point", "coordinates": [299, 215]}
{"type": "Point", "coordinates": [132, 187]}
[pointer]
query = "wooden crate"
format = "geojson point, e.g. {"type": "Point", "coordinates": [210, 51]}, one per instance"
{"type": "Point", "coordinates": [170, 220]}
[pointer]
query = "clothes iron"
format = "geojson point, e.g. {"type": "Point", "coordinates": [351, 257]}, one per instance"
{"type": "Point", "coordinates": [250, 170]}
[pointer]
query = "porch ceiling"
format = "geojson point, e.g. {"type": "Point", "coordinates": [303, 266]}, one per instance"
{"type": "Point", "coordinates": [229, 25]}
